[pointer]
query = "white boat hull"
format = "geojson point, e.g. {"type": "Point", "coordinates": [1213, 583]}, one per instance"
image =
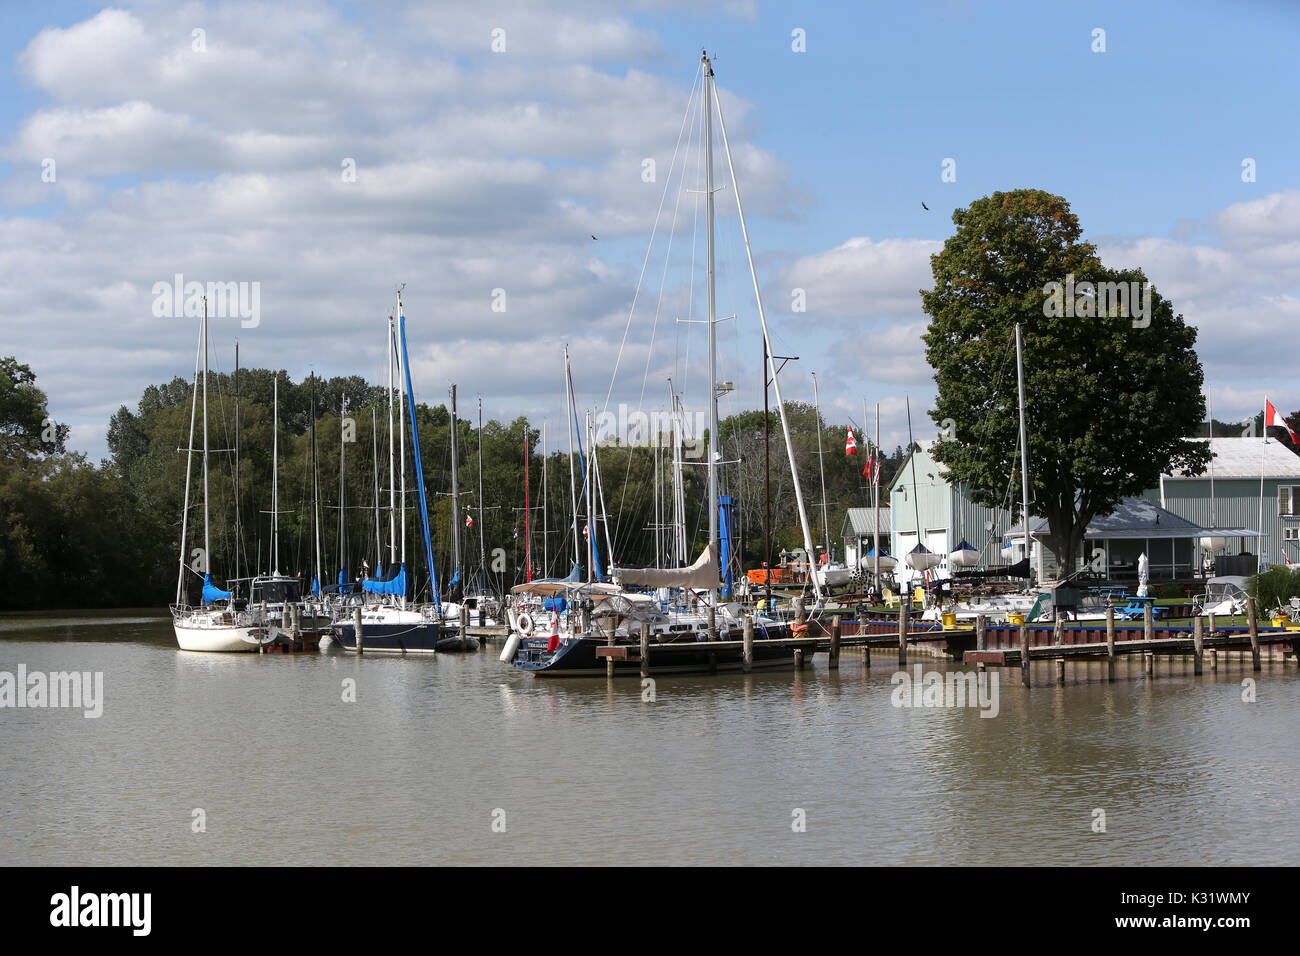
{"type": "Point", "coordinates": [226, 640]}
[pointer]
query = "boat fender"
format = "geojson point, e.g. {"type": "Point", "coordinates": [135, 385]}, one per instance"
{"type": "Point", "coordinates": [508, 652]}
{"type": "Point", "coordinates": [524, 623]}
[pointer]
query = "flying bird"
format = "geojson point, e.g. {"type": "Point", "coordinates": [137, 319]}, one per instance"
{"type": "Point", "coordinates": [593, 237]}
{"type": "Point", "coordinates": [925, 207]}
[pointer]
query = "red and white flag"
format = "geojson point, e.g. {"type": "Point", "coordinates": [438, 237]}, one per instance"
{"type": "Point", "coordinates": [850, 443]}
{"type": "Point", "coordinates": [584, 532]}
{"type": "Point", "coordinates": [469, 521]}
{"type": "Point", "coordinates": [1273, 420]}
{"type": "Point", "coordinates": [868, 468]}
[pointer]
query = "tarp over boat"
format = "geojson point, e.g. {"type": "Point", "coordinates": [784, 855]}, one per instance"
{"type": "Point", "coordinates": [394, 585]}
{"type": "Point", "coordinates": [211, 592]}
{"type": "Point", "coordinates": [702, 574]}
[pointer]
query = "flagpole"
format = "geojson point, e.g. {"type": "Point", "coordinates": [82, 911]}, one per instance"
{"type": "Point", "coordinates": [1259, 552]}
{"type": "Point", "coordinates": [875, 494]}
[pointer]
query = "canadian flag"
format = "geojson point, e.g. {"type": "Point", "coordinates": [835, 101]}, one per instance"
{"type": "Point", "coordinates": [867, 468]}
{"type": "Point", "coordinates": [469, 521]}
{"type": "Point", "coordinates": [872, 470]}
{"type": "Point", "coordinates": [1273, 420]}
{"type": "Point", "coordinates": [850, 444]}
{"type": "Point", "coordinates": [584, 532]}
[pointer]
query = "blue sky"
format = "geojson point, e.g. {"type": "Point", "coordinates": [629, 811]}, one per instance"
{"type": "Point", "coordinates": [842, 143]}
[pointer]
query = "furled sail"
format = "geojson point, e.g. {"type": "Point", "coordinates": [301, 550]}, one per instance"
{"type": "Point", "coordinates": [395, 585]}
{"type": "Point", "coordinates": [702, 574]}
{"type": "Point", "coordinates": [211, 592]}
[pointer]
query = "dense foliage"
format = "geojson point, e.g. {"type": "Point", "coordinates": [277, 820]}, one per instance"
{"type": "Point", "coordinates": [77, 534]}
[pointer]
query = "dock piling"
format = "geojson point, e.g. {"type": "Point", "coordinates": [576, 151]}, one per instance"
{"type": "Point", "coordinates": [902, 633]}
{"type": "Point", "coordinates": [1058, 638]}
{"type": "Point", "coordinates": [356, 626]}
{"type": "Point", "coordinates": [1253, 622]}
{"type": "Point", "coordinates": [1110, 644]}
{"type": "Point", "coordinates": [645, 649]}
{"type": "Point", "coordinates": [1024, 654]}
{"type": "Point", "coordinates": [834, 654]}
{"type": "Point", "coordinates": [1198, 639]}
{"type": "Point", "coordinates": [748, 663]}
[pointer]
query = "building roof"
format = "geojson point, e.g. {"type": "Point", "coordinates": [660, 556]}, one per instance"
{"type": "Point", "coordinates": [861, 521]}
{"type": "Point", "coordinates": [1137, 518]}
{"type": "Point", "coordinates": [1248, 458]}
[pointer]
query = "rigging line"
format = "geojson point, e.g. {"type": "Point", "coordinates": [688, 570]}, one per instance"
{"type": "Point", "coordinates": [654, 328]}
{"type": "Point", "coordinates": [654, 231]}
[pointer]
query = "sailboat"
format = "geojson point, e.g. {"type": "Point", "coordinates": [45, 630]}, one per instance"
{"type": "Point", "coordinates": [217, 624]}
{"type": "Point", "coordinates": [830, 573]}
{"type": "Point", "coordinates": [600, 613]}
{"type": "Point", "coordinates": [390, 621]}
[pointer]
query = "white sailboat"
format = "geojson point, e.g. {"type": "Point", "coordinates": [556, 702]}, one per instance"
{"type": "Point", "coordinates": [216, 624]}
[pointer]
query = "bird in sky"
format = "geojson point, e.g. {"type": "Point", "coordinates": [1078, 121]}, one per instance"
{"type": "Point", "coordinates": [925, 207]}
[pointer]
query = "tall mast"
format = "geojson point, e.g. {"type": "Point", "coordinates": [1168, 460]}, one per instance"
{"type": "Point", "coordinates": [374, 442]}
{"type": "Point", "coordinates": [401, 410]}
{"type": "Point", "coordinates": [1024, 447]}
{"type": "Point", "coordinates": [591, 514]}
{"type": "Point", "coordinates": [875, 498]}
{"type": "Point", "coordinates": [455, 496]}
{"type": "Point", "coordinates": [343, 503]}
{"type": "Point", "coordinates": [392, 463]}
{"type": "Point", "coordinates": [238, 537]}
{"type": "Point", "coordinates": [573, 424]}
{"type": "Point", "coordinates": [713, 335]}
{"type": "Point", "coordinates": [528, 527]}
{"type": "Point", "coordinates": [767, 489]}
{"type": "Point", "coordinates": [821, 464]}
{"type": "Point", "coordinates": [767, 338]}
{"type": "Point", "coordinates": [275, 473]}
{"type": "Point", "coordinates": [189, 469]}
{"type": "Point", "coordinates": [207, 553]}
{"type": "Point", "coordinates": [315, 492]}
{"type": "Point", "coordinates": [546, 550]}
{"type": "Point", "coordinates": [482, 539]}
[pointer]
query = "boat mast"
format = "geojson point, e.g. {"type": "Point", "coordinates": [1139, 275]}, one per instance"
{"type": "Point", "coordinates": [238, 538]}
{"type": "Point", "coordinates": [207, 554]}
{"type": "Point", "coordinates": [482, 540]}
{"type": "Point", "coordinates": [713, 341]}
{"type": "Point", "coordinates": [762, 316]}
{"type": "Point", "coordinates": [343, 412]}
{"type": "Point", "coordinates": [401, 411]}
{"type": "Point", "coordinates": [1024, 447]}
{"type": "Point", "coordinates": [546, 551]}
{"type": "Point", "coordinates": [767, 490]}
{"type": "Point", "coordinates": [189, 468]}
{"type": "Point", "coordinates": [315, 492]}
{"type": "Point", "coordinates": [392, 464]}
{"type": "Point", "coordinates": [275, 473]}
{"type": "Point", "coordinates": [374, 442]}
{"type": "Point", "coordinates": [573, 424]}
{"type": "Point", "coordinates": [528, 527]}
{"type": "Point", "coordinates": [591, 516]}
{"type": "Point", "coordinates": [875, 498]}
{"type": "Point", "coordinates": [821, 465]}
{"type": "Point", "coordinates": [455, 498]}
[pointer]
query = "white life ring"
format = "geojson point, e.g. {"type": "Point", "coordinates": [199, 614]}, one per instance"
{"type": "Point", "coordinates": [524, 623]}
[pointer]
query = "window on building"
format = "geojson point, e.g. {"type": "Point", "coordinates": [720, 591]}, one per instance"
{"type": "Point", "coordinates": [1288, 499]}
{"type": "Point", "coordinates": [1291, 533]}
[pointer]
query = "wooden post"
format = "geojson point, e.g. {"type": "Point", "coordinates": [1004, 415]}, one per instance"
{"type": "Point", "coordinates": [1198, 645]}
{"type": "Point", "coordinates": [798, 658]}
{"type": "Point", "coordinates": [1024, 654]}
{"type": "Point", "coordinates": [1211, 619]}
{"type": "Point", "coordinates": [1151, 663]}
{"type": "Point", "coordinates": [1214, 660]}
{"type": "Point", "coordinates": [834, 661]}
{"type": "Point", "coordinates": [609, 661]}
{"type": "Point", "coordinates": [902, 634]}
{"type": "Point", "coordinates": [464, 627]}
{"type": "Point", "coordinates": [1110, 644]}
{"type": "Point", "coordinates": [295, 621]}
{"type": "Point", "coordinates": [1148, 622]}
{"type": "Point", "coordinates": [1058, 635]}
{"type": "Point", "coordinates": [981, 634]}
{"type": "Point", "coordinates": [748, 663]}
{"type": "Point", "coordinates": [1254, 633]}
{"type": "Point", "coordinates": [356, 628]}
{"type": "Point", "coordinates": [645, 648]}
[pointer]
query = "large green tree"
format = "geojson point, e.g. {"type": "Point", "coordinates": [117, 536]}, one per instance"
{"type": "Point", "coordinates": [1112, 397]}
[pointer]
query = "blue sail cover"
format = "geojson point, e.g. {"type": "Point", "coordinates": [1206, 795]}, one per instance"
{"type": "Point", "coordinates": [395, 586]}
{"type": "Point", "coordinates": [315, 586]}
{"type": "Point", "coordinates": [342, 577]}
{"type": "Point", "coordinates": [211, 592]}
{"type": "Point", "coordinates": [455, 579]}
{"type": "Point", "coordinates": [725, 505]}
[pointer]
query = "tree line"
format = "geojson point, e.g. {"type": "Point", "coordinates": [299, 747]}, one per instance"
{"type": "Point", "coordinates": [81, 534]}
